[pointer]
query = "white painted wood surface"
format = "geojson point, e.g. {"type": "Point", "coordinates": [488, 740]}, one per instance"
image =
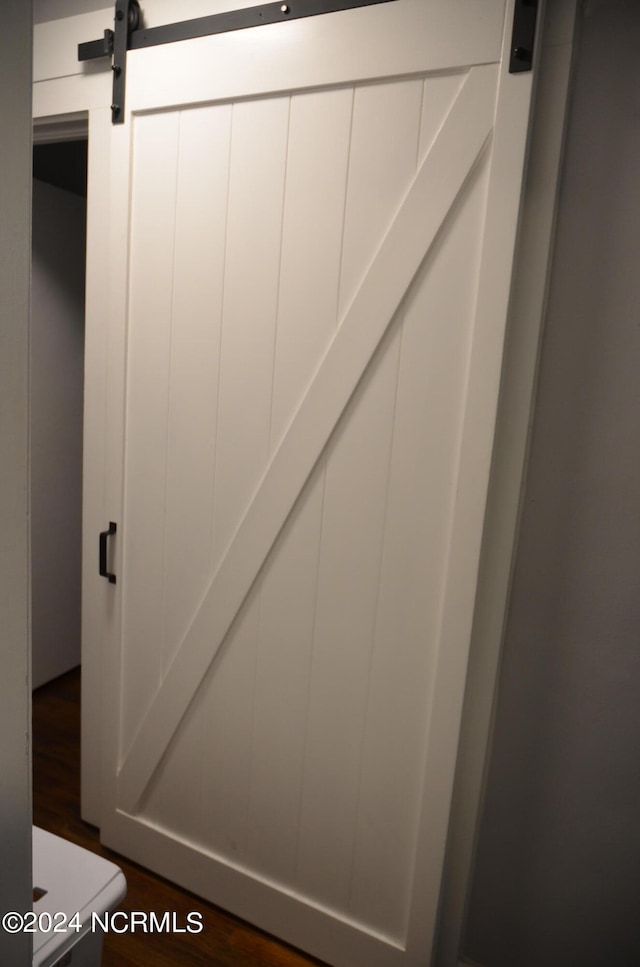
{"type": "Point", "coordinates": [278, 482]}
{"type": "Point", "coordinates": [300, 256]}
{"type": "Point", "coordinates": [252, 62]}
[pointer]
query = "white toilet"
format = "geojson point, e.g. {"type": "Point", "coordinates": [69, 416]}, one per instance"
{"type": "Point", "coordinates": [68, 879]}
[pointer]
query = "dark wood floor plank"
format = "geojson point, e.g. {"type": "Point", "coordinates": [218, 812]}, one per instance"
{"type": "Point", "coordinates": [225, 940]}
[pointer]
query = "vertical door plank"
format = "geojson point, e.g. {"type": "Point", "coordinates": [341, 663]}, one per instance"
{"type": "Point", "coordinates": [384, 146]}
{"type": "Point", "coordinates": [282, 688]}
{"type": "Point", "coordinates": [259, 136]}
{"type": "Point", "coordinates": [433, 370]}
{"type": "Point", "coordinates": [318, 151]}
{"type": "Point", "coordinates": [252, 269]}
{"type": "Point", "coordinates": [227, 740]}
{"type": "Point", "coordinates": [203, 177]}
{"type": "Point", "coordinates": [173, 799]}
{"type": "Point", "coordinates": [317, 160]}
{"type": "Point", "coordinates": [439, 94]}
{"type": "Point", "coordinates": [155, 158]}
{"type": "Point", "coordinates": [353, 521]}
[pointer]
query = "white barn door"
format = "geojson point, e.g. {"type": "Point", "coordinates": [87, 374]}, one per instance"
{"type": "Point", "coordinates": [312, 234]}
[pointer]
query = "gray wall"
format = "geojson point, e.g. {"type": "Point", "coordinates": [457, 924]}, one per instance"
{"type": "Point", "coordinates": [57, 357]}
{"type": "Point", "coordinates": [15, 712]}
{"type": "Point", "coordinates": [557, 876]}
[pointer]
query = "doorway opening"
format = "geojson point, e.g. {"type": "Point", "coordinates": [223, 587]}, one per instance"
{"type": "Point", "coordinates": [56, 403]}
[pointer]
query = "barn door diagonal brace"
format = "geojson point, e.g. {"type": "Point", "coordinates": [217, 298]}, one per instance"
{"type": "Point", "coordinates": [129, 34]}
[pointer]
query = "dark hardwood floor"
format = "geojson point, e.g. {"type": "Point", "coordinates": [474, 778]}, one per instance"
{"type": "Point", "coordinates": [224, 942]}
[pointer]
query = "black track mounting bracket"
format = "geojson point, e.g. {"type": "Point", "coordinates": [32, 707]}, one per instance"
{"type": "Point", "coordinates": [128, 33]}
{"type": "Point", "coordinates": [115, 44]}
{"type": "Point", "coordinates": [522, 39]}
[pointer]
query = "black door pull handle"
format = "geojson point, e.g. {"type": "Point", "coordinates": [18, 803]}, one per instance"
{"type": "Point", "coordinates": [102, 565]}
